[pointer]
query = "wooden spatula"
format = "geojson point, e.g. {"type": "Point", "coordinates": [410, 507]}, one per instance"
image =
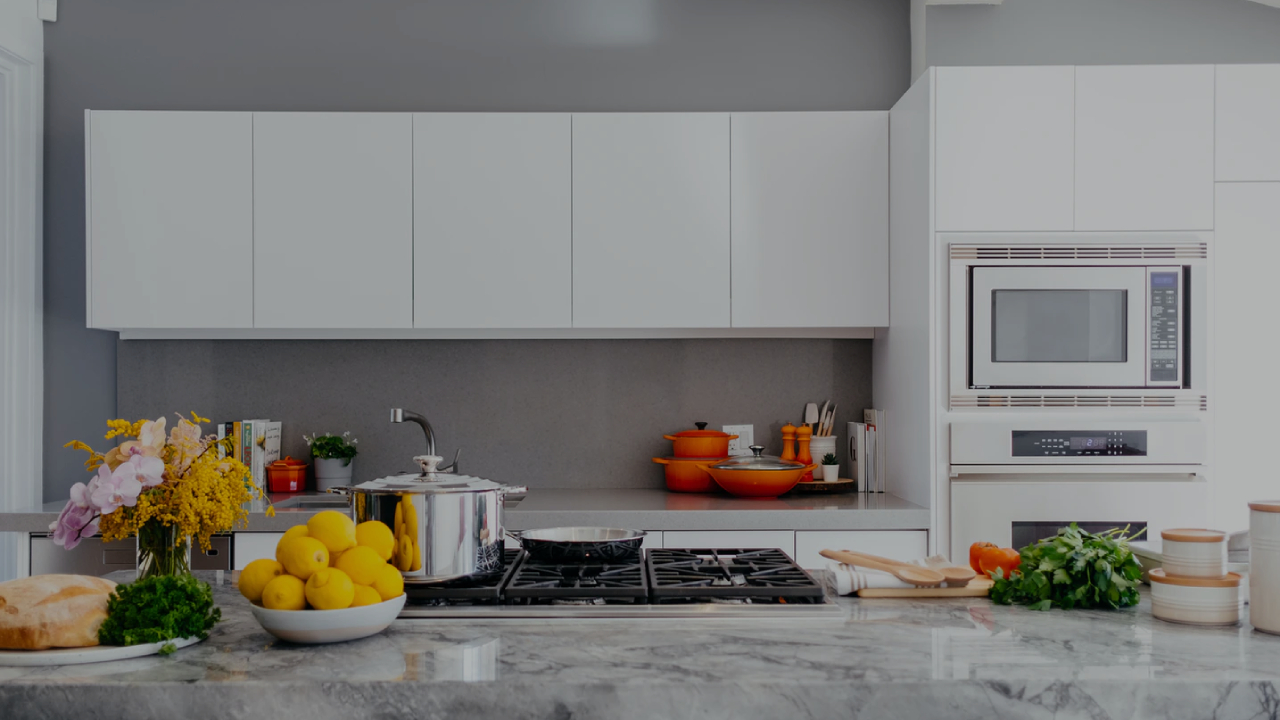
{"type": "Point", "coordinates": [956, 575]}
{"type": "Point", "coordinates": [913, 574]}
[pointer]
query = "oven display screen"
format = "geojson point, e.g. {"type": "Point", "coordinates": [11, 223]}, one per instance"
{"type": "Point", "coordinates": [1079, 443]}
{"type": "Point", "coordinates": [1088, 443]}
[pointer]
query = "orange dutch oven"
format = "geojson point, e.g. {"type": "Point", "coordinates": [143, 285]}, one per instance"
{"type": "Point", "coordinates": [700, 443]}
{"type": "Point", "coordinates": [685, 475]}
{"type": "Point", "coordinates": [756, 476]}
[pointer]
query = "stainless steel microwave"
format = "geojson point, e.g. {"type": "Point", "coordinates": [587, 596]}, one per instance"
{"type": "Point", "coordinates": [1098, 315]}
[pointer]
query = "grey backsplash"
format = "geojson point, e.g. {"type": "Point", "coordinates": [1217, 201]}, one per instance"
{"type": "Point", "coordinates": [543, 413]}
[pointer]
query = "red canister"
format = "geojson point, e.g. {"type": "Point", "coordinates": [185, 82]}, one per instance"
{"type": "Point", "coordinates": [287, 476]}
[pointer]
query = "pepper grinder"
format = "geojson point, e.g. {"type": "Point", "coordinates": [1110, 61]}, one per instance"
{"type": "Point", "coordinates": [804, 436]}
{"type": "Point", "coordinates": [788, 442]}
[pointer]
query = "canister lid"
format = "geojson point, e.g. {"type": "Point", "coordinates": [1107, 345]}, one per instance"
{"type": "Point", "coordinates": [1196, 535]}
{"type": "Point", "coordinates": [1265, 506]}
{"type": "Point", "coordinates": [1158, 575]}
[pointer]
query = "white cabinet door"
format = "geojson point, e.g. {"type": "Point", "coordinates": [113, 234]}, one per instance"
{"type": "Point", "coordinates": [905, 545]}
{"type": "Point", "coordinates": [1248, 122]}
{"type": "Point", "coordinates": [651, 220]}
{"type": "Point", "coordinates": [333, 220]}
{"type": "Point", "coordinates": [1144, 147]}
{"type": "Point", "coordinates": [1005, 148]}
{"type": "Point", "coordinates": [730, 539]}
{"type": "Point", "coordinates": [169, 219]}
{"type": "Point", "coordinates": [811, 214]}
{"type": "Point", "coordinates": [1245, 393]}
{"type": "Point", "coordinates": [250, 546]}
{"type": "Point", "coordinates": [492, 235]}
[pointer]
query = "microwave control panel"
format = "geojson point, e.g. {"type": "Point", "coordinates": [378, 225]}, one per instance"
{"type": "Point", "coordinates": [1164, 301]}
{"type": "Point", "coordinates": [1079, 443]}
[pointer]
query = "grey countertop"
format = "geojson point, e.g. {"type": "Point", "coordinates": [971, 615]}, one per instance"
{"type": "Point", "coordinates": [645, 509]}
{"type": "Point", "coordinates": [946, 658]}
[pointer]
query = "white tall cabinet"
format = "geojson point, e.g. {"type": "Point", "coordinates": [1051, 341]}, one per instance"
{"type": "Point", "coordinates": [810, 209]}
{"type": "Point", "coordinates": [333, 220]}
{"type": "Point", "coordinates": [169, 219]}
{"type": "Point", "coordinates": [1248, 123]}
{"type": "Point", "coordinates": [492, 223]}
{"type": "Point", "coordinates": [651, 220]}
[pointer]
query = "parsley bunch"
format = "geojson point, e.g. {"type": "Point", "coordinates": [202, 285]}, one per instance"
{"type": "Point", "coordinates": [1075, 569]}
{"type": "Point", "coordinates": [159, 608]}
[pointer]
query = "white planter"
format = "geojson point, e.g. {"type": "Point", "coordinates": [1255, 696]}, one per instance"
{"type": "Point", "coordinates": [332, 472]}
{"type": "Point", "coordinates": [830, 473]}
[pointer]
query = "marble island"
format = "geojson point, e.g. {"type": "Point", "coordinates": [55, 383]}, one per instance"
{"type": "Point", "coordinates": [954, 659]}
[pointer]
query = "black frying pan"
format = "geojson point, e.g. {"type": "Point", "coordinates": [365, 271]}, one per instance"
{"type": "Point", "coordinates": [581, 544]}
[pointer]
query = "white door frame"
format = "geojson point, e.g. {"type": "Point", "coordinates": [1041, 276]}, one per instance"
{"type": "Point", "coordinates": [21, 270]}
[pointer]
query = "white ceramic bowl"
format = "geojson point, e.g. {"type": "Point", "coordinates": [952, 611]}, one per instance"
{"type": "Point", "coordinates": [1197, 601]}
{"type": "Point", "coordinates": [1194, 552]}
{"type": "Point", "coordinates": [313, 627]}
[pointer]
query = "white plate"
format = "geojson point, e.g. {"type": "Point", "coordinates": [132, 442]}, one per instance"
{"type": "Point", "coordinates": [313, 627]}
{"type": "Point", "coordinates": [80, 656]}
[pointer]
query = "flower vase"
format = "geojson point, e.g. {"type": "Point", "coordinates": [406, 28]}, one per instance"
{"type": "Point", "coordinates": [333, 472]}
{"type": "Point", "coordinates": [162, 551]}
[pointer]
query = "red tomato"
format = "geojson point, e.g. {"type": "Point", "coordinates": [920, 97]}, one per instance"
{"type": "Point", "coordinates": [975, 550]}
{"type": "Point", "coordinates": [1006, 559]}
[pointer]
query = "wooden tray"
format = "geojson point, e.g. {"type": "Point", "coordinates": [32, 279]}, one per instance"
{"type": "Point", "coordinates": [977, 587]}
{"type": "Point", "coordinates": [843, 485]}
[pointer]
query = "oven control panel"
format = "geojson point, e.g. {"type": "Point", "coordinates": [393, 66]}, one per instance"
{"type": "Point", "coordinates": [1079, 443]}
{"type": "Point", "coordinates": [1164, 301]}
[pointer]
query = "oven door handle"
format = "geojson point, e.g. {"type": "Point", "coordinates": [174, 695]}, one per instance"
{"type": "Point", "coordinates": [1173, 471]}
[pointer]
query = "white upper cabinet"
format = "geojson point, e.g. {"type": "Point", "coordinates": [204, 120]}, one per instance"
{"type": "Point", "coordinates": [651, 220]}
{"type": "Point", "coordinates": [169, 219]}
{"type": "Point", "coordinates": [1144, 147]}
{"type": "Point", "coordinates": [1005, 148]}
{"type": "Point", "coordinates": [1248, 122]}
{"type": "Point", "coordinates": [333, 220]}
{"type": "Point", "coordinates": [810, 219]}
{"type": "Point", "coordinates": [492, 224]}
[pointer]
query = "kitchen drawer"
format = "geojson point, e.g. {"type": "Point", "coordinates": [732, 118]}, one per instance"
{"type": "Point", "coordinates": [250, 546]}
{"type": "Point", "coordinates": [897, 544]}
{"type": "Point", "coordinates": [91, 557]}
{"type": "Point", "coordinates": [717, 539]}
{"type": "Point", "coordinates": [218, 557]}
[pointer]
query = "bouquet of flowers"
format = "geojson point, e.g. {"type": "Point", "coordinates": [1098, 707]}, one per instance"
{"type": "Point", "coordinates": [164, 490]}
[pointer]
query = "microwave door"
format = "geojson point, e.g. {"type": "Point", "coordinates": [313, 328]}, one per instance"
{"type": "Point", "coordinates": [1058, 327]}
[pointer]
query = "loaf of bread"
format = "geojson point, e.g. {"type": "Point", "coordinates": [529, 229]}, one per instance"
{"type": "Point", "coordinates": [52, 611]}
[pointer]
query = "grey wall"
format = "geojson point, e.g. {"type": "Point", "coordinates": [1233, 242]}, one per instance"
{"type": "Point", "coordinates": [547, 413]}
{"type": "Point", "coordinates": [398, 55]}
{"type": "Point", "coordinates": [1102, 32]}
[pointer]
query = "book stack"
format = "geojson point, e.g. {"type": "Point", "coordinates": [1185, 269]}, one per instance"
{"type": "Point", "coordinates": [256, 443]}
{"type": "Point", "coordinates": [867, 454]}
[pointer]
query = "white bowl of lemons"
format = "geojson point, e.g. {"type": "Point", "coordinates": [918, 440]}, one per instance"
{"type": "Point", "coordinates": [330, 582]}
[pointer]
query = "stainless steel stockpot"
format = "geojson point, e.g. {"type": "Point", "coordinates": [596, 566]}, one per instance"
{"type": "Point", "coordinates": [446, 526]}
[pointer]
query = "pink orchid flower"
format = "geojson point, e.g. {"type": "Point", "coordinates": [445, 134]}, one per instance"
{"type": "Point", "coordinates": [147, 471]}
{"type": "Point", "coordinates": [74, 523]}
{"type": "Point", "coordinates": [121, 488]}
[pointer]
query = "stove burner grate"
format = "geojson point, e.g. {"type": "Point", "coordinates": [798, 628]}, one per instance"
{"type": "Point", "coordinates": [467, 591]}
{"type": "Point", "coordinates": [535, 582]}
{"type": "Point", "coordinates": [758, 575]}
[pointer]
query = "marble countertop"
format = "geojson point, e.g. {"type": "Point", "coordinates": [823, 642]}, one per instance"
{"type": "Point", "coordinates": [946, 658]}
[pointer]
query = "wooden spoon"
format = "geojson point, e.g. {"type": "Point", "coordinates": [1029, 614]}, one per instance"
{"type": "Point", "coordinates": [913, 574]}
{"type": "Point", "coordinates": [956, 575]}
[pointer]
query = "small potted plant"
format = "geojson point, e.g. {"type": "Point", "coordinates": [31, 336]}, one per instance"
{"type": "Point", "coordinates": [334, 455]}
{"type": "Point", "coordinates": [830, 468]}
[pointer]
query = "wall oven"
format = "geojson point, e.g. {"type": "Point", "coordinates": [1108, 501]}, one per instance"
{"type": "Point", "coordinates": [1078, 312]}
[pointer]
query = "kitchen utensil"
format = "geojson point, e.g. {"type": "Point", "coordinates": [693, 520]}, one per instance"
{"type": "Point", "coordinates": [1198, 601]}
{"type": "Point", "coordinates": [1193, 552]}
{"type": "Point", "coordinates": [314, 627]}
{"type": "Point", "coordinates": [700, 443]}
{"type": "Point", "coordinates": [446, 526]}
{"type": "Point", "coordinates": [830, 421]}
{"type": "Point", "coordinates": [579, 544]}
{"type": "Point", "coordinates": [822, 418]}
{"type": "Point", "coordinates": [914, 574]}
{"type": "Point", "coordinates": [811, 415]}
{"type": "Point", "coordinates": [1264, 565]}
{"type": "Point", "coordinates": [788, 442]}
{"type": "Point", "coordinates": [756, 476]}
{"type": "Point", "coordinates": [979, 587]}
{"type": "Point", "coordinates": [954, 574]}
{"type": "Point", "coordinates": [684, 475]}
{"type": "Point", "coordinates": [287, 476]}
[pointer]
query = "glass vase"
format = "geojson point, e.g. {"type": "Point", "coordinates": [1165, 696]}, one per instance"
{"type": "Point", "coordinates": [162, 551]}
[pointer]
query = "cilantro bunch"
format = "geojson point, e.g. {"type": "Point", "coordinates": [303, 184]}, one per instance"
{"type": "Point", "coordinates": [159, 608]}
{"type": "Point", "coordinates": [1075, 569]}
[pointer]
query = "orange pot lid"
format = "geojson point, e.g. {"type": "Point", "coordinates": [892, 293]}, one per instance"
{"type": "Point", "coordinates": [1197, 535]}
{"type": "Point", "coordinates": [289, 461]}
{"type": "Point", "coordinates": [1265, 506]}
{"type": "Point", "coordinates": [671, 460]}
{"type": "Point", "coordinates": [1159, 576]}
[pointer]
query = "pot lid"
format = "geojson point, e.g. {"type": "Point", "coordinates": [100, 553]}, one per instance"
{"type": "Point", "coordinates": [433, 484]}
{"type": "Point", "coordinates": [701, 432]}
{"type": "Point", "coordinates": [758, 461]}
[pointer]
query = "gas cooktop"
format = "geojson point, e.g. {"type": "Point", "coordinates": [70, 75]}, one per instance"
{"type": "Point", "coordinates": [667, 583]}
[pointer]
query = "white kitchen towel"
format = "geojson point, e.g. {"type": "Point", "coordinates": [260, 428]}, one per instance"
{"type": "Point", "coordinates": [850, 579]}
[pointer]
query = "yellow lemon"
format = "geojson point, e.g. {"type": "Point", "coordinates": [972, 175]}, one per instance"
{"type": "Point", "coordinates": [404, 553]}
{"type": "Point", "coordinates": [361, 563]}
{"type": "Point", "coordinates": [410, 516]}
{"type": "Point", "coordinates": [303, 556]}
{"type": "Point", "coordinates": [335, 530]}
{"type": "Point", "coordinates": [285, 592]}
{"type": "Point", "coordinates": [256, 575]}
{"type": "Point", "coordinates": [416, 563]}
{"type": "Point", "coordinates": [330, 589]}
{"type": "Point", "coordinates": [291, 533]}
{"type": "Point", "coordinates": [389, 583]}
{"type": "Point", "coordinates": [366, 596]}
{"type": "Point", "coordinates": [375, 534]}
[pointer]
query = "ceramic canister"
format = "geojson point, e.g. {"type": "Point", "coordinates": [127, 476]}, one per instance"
{"type": "Point", "coordinates": [1197, 601]}
{"type": "Point", "coordinates": [1194, 552]}
{"type": "Point", "coordinates": [1264, 565]}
